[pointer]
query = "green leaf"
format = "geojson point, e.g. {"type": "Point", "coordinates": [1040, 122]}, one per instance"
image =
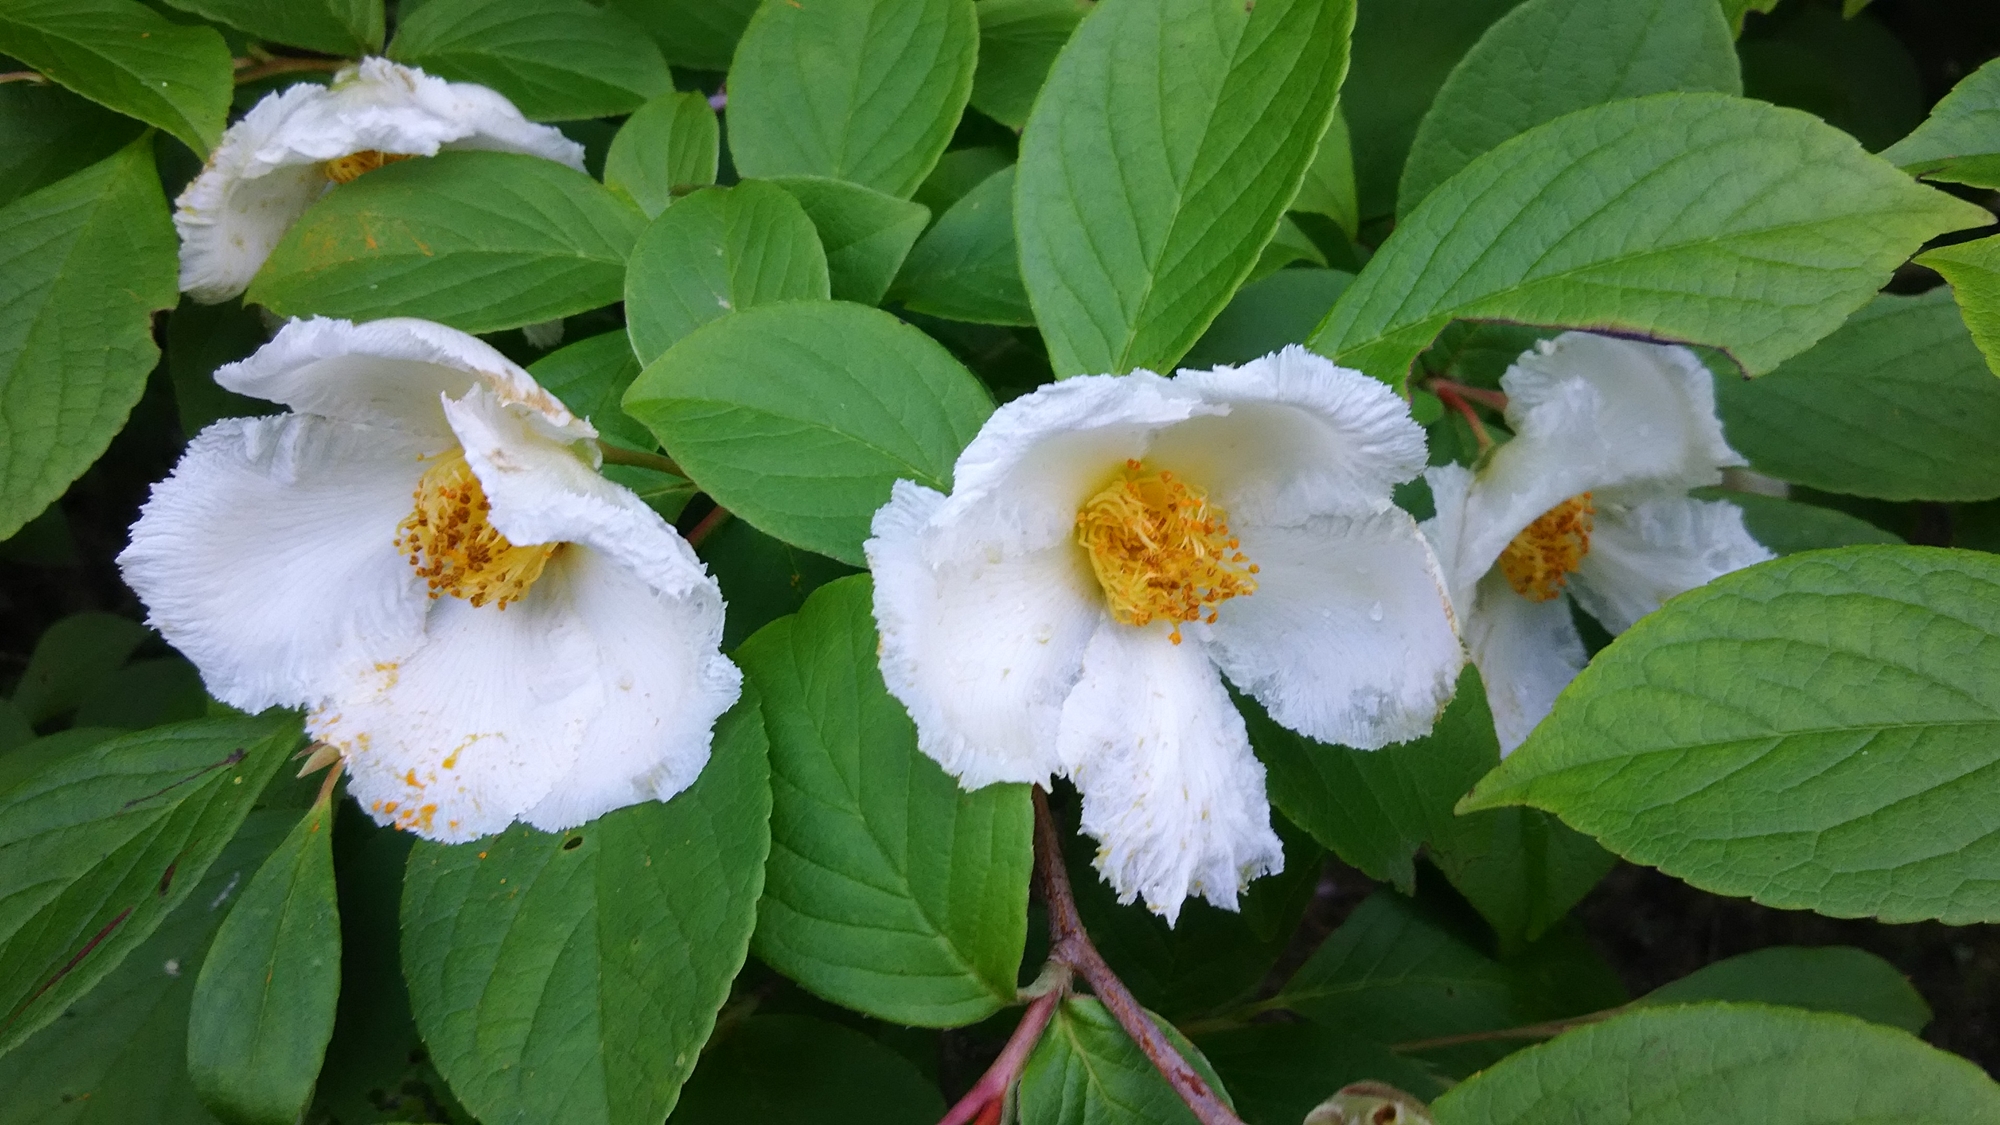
{"type": "Point", "coordinates": [1403, 51]}
{"type": "Point", "coordinates": [1278, 1072]}
{"type": "Point", "coordinates": [84, 265]}
{"type": "Point", "coordinates": [1787, 527]}
{"type": "Point", "coordinates": [146, 693]}
{"type": "Point", "coordinates": [1087, 1071]}
{"type": "Point", "coordinates": [1173, 135]}
{"type": "Point", "coordinates": [263, 1005]}
{"type": "Point", "coordinates": [1834, 978]}
{"type": "Point", "coordinates": [718, 251]}
{"type": "Point", "coordinates": [125, 56]}
{"type": "Point", "coordinates": [966, 267]}
{"type": "Point", "coordinates": [1815, 732]}
{"type": "Point", "coordinates": [1973, 268]}
{"type": "Point", "coordinates": [890, 890]}
{"type": "Point", "coordinates": [556, 60]}
{"type": "Point", "coordinates": [1288, 245]}
{"type": "Point", "coordinates": [1328, 188]}
{"type": "Point", "coordinates": [478, 240]}
{"type": "Point", "coordinates": [118, 1056]}
{"type": "Point", "coordinates": [1550, 57]}
{"type": "Point", "coordinates": [575, 976]}
{"type": "Point", "coordinates": [1708, 1062]}
{"type": "Point", "coordinates": [201, 338]}
{"type": "Point", "coordinates": [1897, 404]}
{"type": "Point", "coordinates": [799, 416]}
{"type": "Point", "coordinates": [1960, 140]}
{"type": "Point", "coordinates": [668, 147]}
{"type": "Point", "coordinates": [866, 235]}
{"type": "Point", "coordinates": [958, 172]}
{"type": "Point", "coordinates": [795, 1070]}
{"type": "Point", "coordinates": [762, 578]}
{"type": "Point", "coordinates": [864, 92]}
{"type": "Point", "coordinates": [47, 133]}
{"type": "Point", "coordinates": [1735, 10]}
{"type": "Point", "coordinates": [699, 34]}
{"type": "Point", "coordinates": [333, 27]}
{"type": "Point", "coordinates": [1018, 42]}
{"type": "Point", "coordinates": [1853, 74]}
{"type": "Point", "coordinates": [1697, 217]}
{"type": "Point", "coordinates": [97, 848]}
{"type": "Point", "coordinates": [71, 660]}
{"type": "Point", "coordinates": [1267, 314]}
{"type": "Point", "coordinates": [32, 755]}
{"type": "Point", "coordinates": [590, 377]}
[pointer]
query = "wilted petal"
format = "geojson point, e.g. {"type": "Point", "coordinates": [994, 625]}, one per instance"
{"type": "Point", "coordinates": [1526, 651]}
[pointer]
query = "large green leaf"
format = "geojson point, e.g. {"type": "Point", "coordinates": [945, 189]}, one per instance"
{"type": "Point", "coordinates": [1960, 141]}
{"type": "Point", "coordinates": [866, 235]}
{"type": "Point", "coordinates": [479, 240]}
{"type": "Point", "coordinates": [1817, 732]}
{"type": "Point", "coordinates": [334, 27]}
{"type": "Point", "coordinates": [799, 416]}
{"type": "Point", "coordinates": [47, 133]}
{"type": "Point", "coordinates": [668, 147]}
{"type": "Point", "coordinates": [890, 890]}
{"type": "Point", "coordinates": [556, 60]}
{"type": "Point", "coordinates": [590, 377]}
{"type": "Point", "coordinates": [124, 55]}
{"type": "Point", "coordinates": [1897, 404]}
{"type": "Point", "coordinates": [1696, 217]}
{"type": "Point", "coordinates": [1833, 978]}
{"type": "Point", "coordinates": [1018, 42]}
{"type": "Point", "coordinates": [97, 848]}
{"type": "Point", "coordinates": [1704, 1063]}
{"type": "Point", "coordinates": [795, 1070]}
{"type": "Point", "coordinates": [1403, 51]}
{"type": "Point", "coordinates": [867, 91]}
{"type": "Point", "coordinates": [84, 265]}
{"type": "Point", "coordinates": [700, 34]}
{"type": "Point", "coordinates": [264, 1003]}
{"type": "Point", "coordinates": [1973, 268]}
{"type": "Point", "coordinates": [119, 1054]}
{"type": "Point", "coordinates": [1328, 188]}
{"type": "Point", "coordinates": [966, 267]}
{"type": "Point", "coordinates": [1551, 57]}
{"type": "Point", "coordinates": [719, 251]}
{"type": "Point", "coordinates": [574, 977]}
{"type": "Point", "coordinates": [1172, 137]}
{"type": "Point", "coordinates": [1087, 1071]}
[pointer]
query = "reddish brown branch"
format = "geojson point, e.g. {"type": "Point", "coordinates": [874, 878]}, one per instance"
{"type": "Point", "coordinates": [706, 526]}
{"type": "Point", "coordinates": [990, 1092]}
{"type": "Point", "coordinates": [1070, 945]}
{"type": "Point", "coordinates": [250, 70]}
{"type": "Point", "coordinates": [1492, 400]}
{"type": "Point", "coordinates": [1532, 1031]}
{"type": "Point", "coordinates": [1450, 397]}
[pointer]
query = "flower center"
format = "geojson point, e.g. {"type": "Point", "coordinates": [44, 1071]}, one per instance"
{"type": "Point", "coordinates": [449, 541]}
{"type": "Point", "coordinates": [1539, 561]}
{"type": "Point", "coordinates": [346, 169]}
{"type": "Point", "coordinates": [1160, 551]}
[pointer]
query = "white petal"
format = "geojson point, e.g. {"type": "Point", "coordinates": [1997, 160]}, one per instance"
{"type": "Point", "coordinates": [265, 173]}
{"type": "Point", "coordinates": [982, 651]}
{"type": "Point", "coordinates": [476, 725]}
{"type": "Point", "coordinates": [1591, 413]}
{"type": "Point", "coordinates": [1348, 637]}
{"type": "Point", "coordinates": [665, 683]}
{"type": "Point", "coordinates": [1170, 788]}
{"type": "Point", "coordinates": [1527, 652]}
{"type": "Point", "coordinates": [1301, 437]}
{"type": "Point", "coordinates": [1454, 530]}
{"type": "Point", "coordinates": [388, 373]}
{"type": "Point", "coordinates": [1018, 485]}
{"type": "Point", "coordinates": [1646, 549]}
{"type": "Point", "coordinates": [269, 557]}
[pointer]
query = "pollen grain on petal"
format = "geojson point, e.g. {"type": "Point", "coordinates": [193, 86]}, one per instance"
{"type": "Point", "coordinates": [454, 546]}
{"type": "Point", "coordinates": [1160, 550]}
{"type": "Point", "coordinates": [1538, 563]}
{"type": "Point", "coordinates": [347, 169]}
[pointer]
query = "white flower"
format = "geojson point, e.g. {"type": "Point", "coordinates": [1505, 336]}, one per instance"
{"type": "Point", "coordinates": [1589, 500]}
{"type": "Point", "coordinates": [295, 144]}
{"type": "Point", "coordinates": [423, 554]}
{"type": "Point", "coordinates": [1110, 543]}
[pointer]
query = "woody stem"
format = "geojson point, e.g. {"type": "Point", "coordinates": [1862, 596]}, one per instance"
{"type": "Point", "coordinates": [992, 1086]}
{"type": "Point", "coordinates": [250, 70]}
{"type": "Point", "coordinates": [1070, 945]}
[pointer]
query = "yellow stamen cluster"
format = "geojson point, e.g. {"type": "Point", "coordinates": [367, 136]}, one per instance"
{"type": "Point", "coordinates": [1539, 561]}
{"type": "Point", "coordinates": [347, 169]}
{"type": "Point", "coordinates": [450, 542]}
{"type": "Point", "coordinates": [1160, 551]}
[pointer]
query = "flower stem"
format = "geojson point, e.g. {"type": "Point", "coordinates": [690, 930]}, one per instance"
{"type": "Point", "coordinates": [619, 455]}
{"type": "Point", "coordinates": [1450, 396]}
{"type": "Point", "coordinates": [990, 1092]}
{"type": "Point", "coordinates": [1069, 944]}
{"type": "Point", "coordinates": [1492, 400]}
{"type": "Point", "coordinates": [1532, 1031]}
{"type": "Point", "coordinates": [34, 76]}
{"type": "Point", "coordinates": [706, 526]}
{"type": "Point", "coordinates": [250, 70]}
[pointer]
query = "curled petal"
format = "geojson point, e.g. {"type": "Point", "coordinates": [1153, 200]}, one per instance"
{"type": "Point", "coordinates": [982, 651]}
{"type": "Point", "coordinates": [1170, 787]}
{"type": "Point", "coordinates": [268, 556]}
{"type": "Point", "coordinates": [1526, 651]}
{"type": "Point", "coordinates": [1646, 549]}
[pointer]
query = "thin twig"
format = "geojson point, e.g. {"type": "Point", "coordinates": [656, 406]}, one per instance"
{"type": "Point", "coordinates": [992, 1087]}
{"type": "Point", "coordinates": [619, 455]}
{"type": "Point", "coordinates": [1453, 399]}
{"type": "Point", "coordinates": [1547, 1030]}
{"type": "Point", "coordinates": [1491, 399]}
{"type": "Point", "coordinates": [1070, 945]}
{"type": "Point", "coordinates": [34, 76]}
{"type": "Point", "coordinates": [250, 70]}
{"type": "Point", "coordinates": [707, 525]}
